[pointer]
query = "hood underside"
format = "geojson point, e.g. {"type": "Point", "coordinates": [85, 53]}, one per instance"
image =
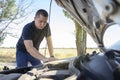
{"type": "Point", "coordinates": [89, 17]}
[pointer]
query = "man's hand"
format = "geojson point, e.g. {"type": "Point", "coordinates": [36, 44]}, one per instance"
{"type": "Point", "coordinates": [45, 60]}
{"type": "Point", "coordinates": [52, 58]}
{"type": "Point", "coordinates": [49, 59]}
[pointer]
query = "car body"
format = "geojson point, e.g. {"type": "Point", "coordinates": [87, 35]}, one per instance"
{"type": "Point", "coordinates": [95, 16]}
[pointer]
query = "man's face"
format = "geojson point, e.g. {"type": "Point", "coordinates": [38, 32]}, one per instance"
{"type": "Point", "coordinates": [40, 21]}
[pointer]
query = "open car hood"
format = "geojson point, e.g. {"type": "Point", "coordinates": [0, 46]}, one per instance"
{"type": "Point", "coordinates": [93, 18]}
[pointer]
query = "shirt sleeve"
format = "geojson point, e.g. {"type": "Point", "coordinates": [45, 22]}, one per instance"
{"type": "Point", "coordinates": [48, 31]}
{"type": "Point", "coordinates": [27, 32]}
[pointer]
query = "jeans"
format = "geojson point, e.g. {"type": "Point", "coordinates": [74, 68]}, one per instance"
{"type": "Point", "coordinates": [23, 57]}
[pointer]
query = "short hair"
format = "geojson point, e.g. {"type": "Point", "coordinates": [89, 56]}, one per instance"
{"type": "Point", "coordinates": [41, 12]}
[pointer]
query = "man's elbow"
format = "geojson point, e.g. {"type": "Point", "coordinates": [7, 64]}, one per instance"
{"type": "Point", "coordinates": [28, 45]}
{"type": "Point", "coordinates": [29, 49]}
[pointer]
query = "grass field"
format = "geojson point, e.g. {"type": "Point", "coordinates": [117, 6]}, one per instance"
{"type": "Point", "coordinates": [8, 54]}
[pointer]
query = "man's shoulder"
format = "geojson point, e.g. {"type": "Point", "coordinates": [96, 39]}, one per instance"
{"type": "Point", "coordinates": [29, 26]}
{"type": "Point", "coordinates": [47, 24]}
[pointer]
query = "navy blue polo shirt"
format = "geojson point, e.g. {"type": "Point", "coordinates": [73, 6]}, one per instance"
{"type": "Point", "coordinates": [30, 32]}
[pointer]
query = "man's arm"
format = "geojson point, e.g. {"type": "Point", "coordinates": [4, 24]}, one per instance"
{"type": "Point", "coordinates": [50, 45]}
{"type": "Point", "coordinates": [33, 51]}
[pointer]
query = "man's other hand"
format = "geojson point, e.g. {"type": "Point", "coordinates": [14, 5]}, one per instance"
{"type": "Point", "coordinates": [52, 59]}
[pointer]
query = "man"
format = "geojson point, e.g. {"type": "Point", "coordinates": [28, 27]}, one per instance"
{"type": "Point", "coordinates": [31, 37]}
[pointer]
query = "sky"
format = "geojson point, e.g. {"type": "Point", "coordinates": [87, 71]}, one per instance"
{"type": "Point", "coordinates": [62, 28]}
{"type": "Point", "coordinates": [112, 36]}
